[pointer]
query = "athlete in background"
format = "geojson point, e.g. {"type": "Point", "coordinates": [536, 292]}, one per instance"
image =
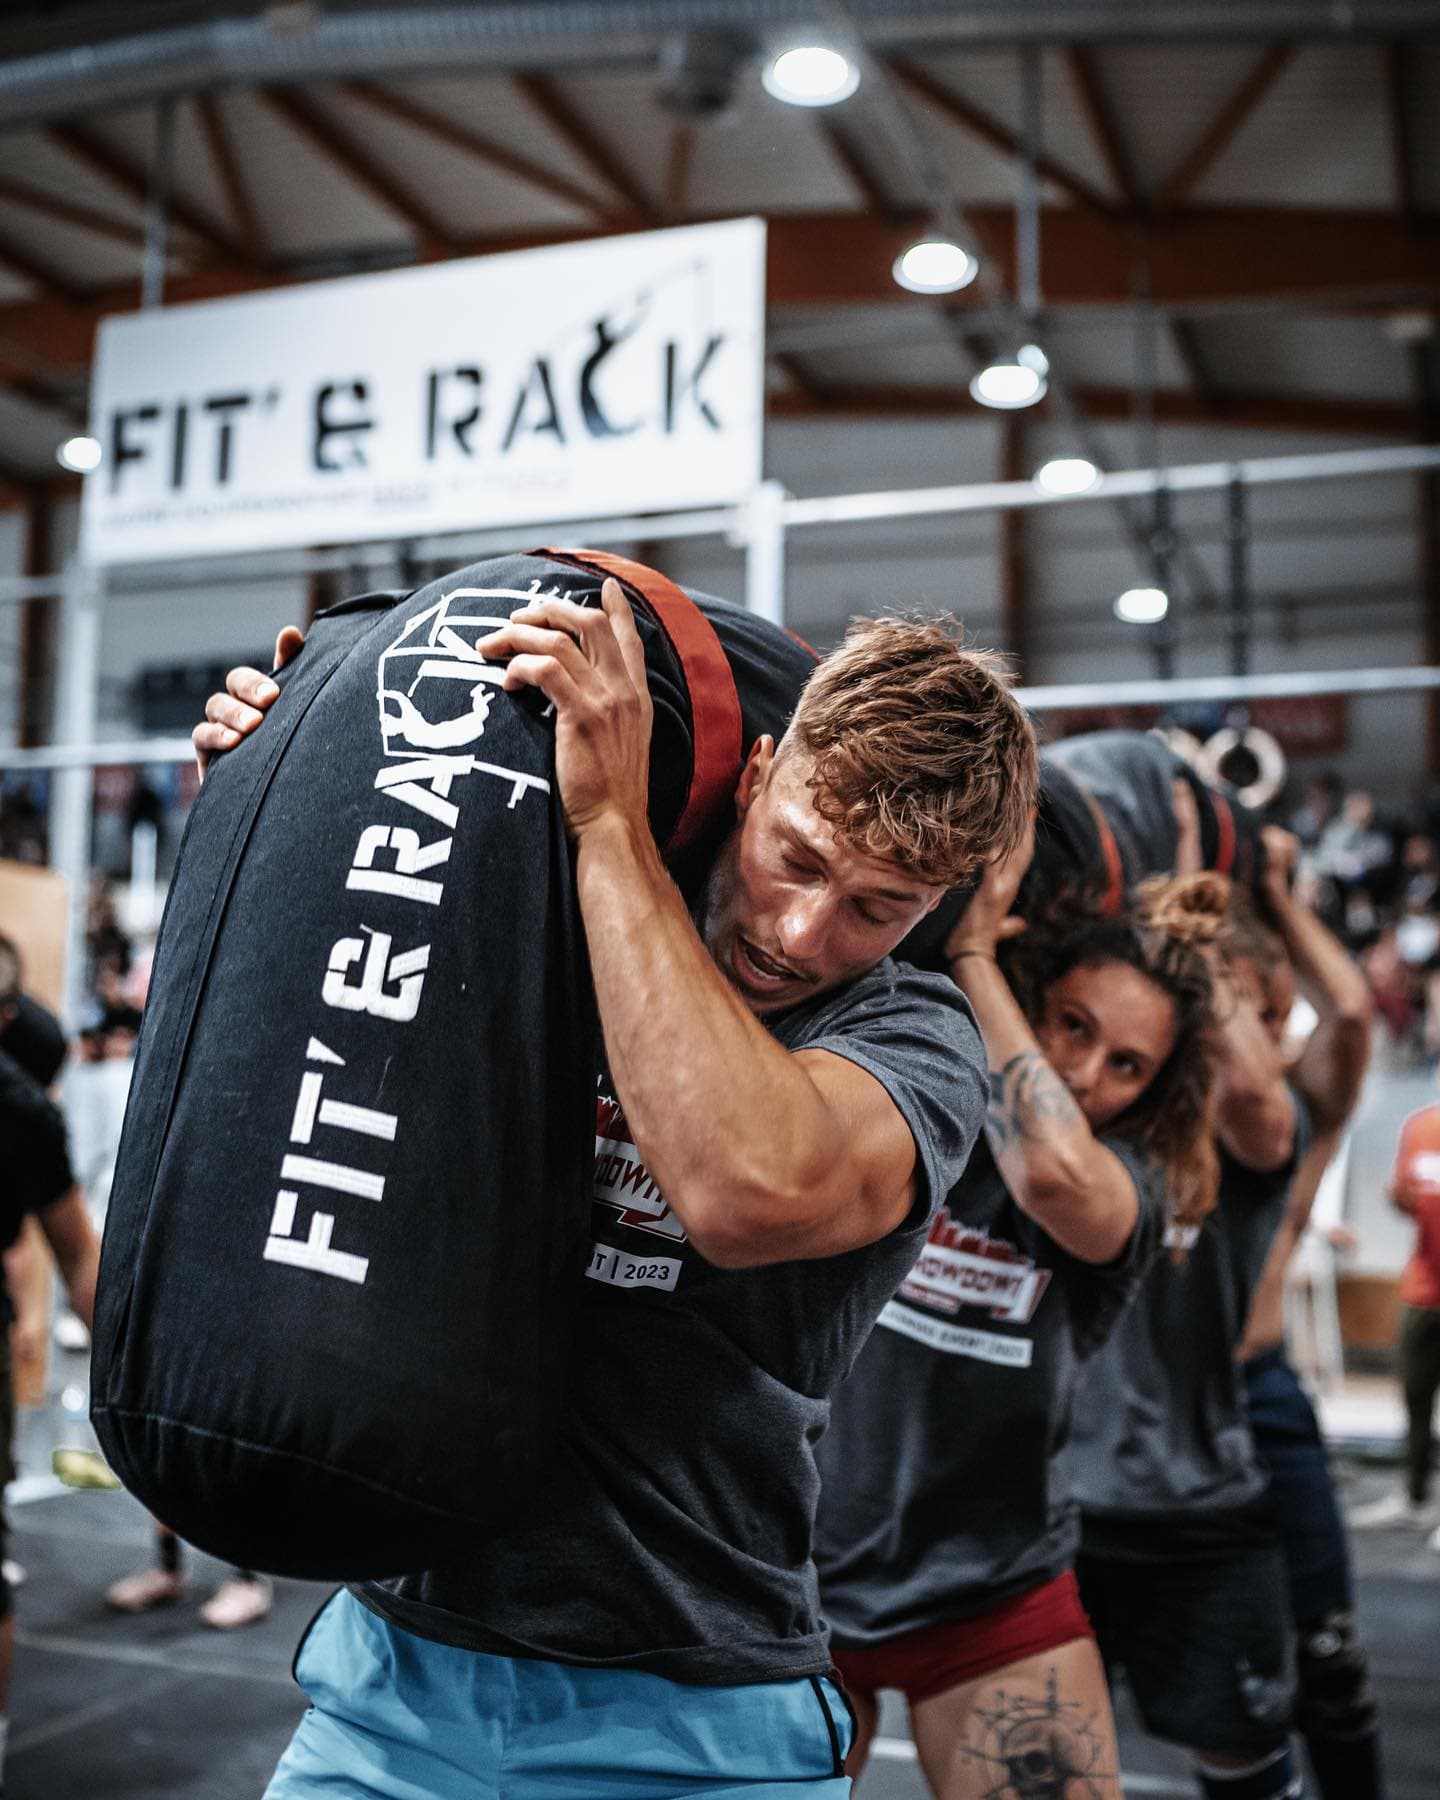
{"type": "Point", "coordinates": [947, 1530]}
{"type": "Point", "coordinates": [1335, 1709]}
{"type": "Point", "coordinates": [1184, 1584]}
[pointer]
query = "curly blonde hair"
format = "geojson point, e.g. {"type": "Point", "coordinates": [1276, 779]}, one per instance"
{"type": "Point", "coordinates": [922, 753]}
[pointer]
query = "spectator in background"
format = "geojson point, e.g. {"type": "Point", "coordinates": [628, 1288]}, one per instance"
{"type": "Point", "coordinates": [1415, 1190]}
{"type": "Point", "coordinates": [1321, 803]}
{"type": "Point", "coordinates": [22, 827]}
{"type": "Point", "coordinates": [112, 1014]}
{"type": "Point", "coordinates": [1420, 872]}
{"type": "Point", "coordinates": [35, 1177]}
{"type": "Point", "coordinates": [1353, 847]}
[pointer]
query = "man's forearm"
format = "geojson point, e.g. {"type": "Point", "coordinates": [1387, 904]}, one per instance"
{"type": "Point", "coordinates": [732, 1128]}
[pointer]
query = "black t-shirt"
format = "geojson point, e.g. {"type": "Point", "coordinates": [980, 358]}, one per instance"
{"type": "Point", "coordinates": [945, 1471]}
{"type": "Point", "coordinates": [35, 1165]}
{"type": "Point", "coordinates": [1161, 1425]}
{"type": "Point", "coordinates": [36, 1162]}
{"type": "Point", "coordinates": [673, 1534]}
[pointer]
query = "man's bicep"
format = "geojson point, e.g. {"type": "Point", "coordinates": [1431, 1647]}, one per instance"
{"type": "Point", "coordinates": [878, 1171]}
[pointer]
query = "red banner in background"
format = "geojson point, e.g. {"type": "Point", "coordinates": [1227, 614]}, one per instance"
{"type": "Point", "coordinates": [1302, 724]}
{"type": "Point", "coordinates": [1305, 724]}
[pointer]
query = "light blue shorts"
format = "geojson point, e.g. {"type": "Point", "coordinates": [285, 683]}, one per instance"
{"type": "Point", "coordinates": [396, 1717]}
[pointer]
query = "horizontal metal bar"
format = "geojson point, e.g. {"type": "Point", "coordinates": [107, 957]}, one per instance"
{"type": "Point", "coordinates": [122, 752]}
{"type": "Point", "coordinates": [456, 548]}
{"type": "Point", "coordinates": [15, 588]}
{"type": "Point", "coordinates": [1229, 687]}
{"type": "Point", "coordinates": [992, 496]}
{"type": "Point", "coordinates": [732, 522]}
{"type": "Point", "coordinates": [1077, 694]}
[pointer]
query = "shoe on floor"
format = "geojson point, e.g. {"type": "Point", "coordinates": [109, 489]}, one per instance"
{"type": "Point", "coordinates": [145, 1589]}
{"type": "Point", "coordinates": [242, 1600]}
{"type": "Point", "coordinates": [1396, 1508]}
{"type": "Point", "coordinates": [1431, 1543]}
{"type": "Point", "coordinates": [70, 1332]}
{"type": "Point", "coordinates": [15, 1577]}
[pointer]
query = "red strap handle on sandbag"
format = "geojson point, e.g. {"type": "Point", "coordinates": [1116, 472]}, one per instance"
{"type": "Point", "coordinates": [1113, 897]}
{"type": "Point", "coordinates": [1225, 830]}
{"type": "Point", "coordinates": [714, 703]}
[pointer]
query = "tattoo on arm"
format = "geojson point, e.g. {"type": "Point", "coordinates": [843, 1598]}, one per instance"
{"type": "Point", "coordinates": [1027, 1100]}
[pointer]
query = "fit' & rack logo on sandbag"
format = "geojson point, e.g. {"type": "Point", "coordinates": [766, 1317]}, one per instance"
{"type": "Point", "coordinates": [434, 692]}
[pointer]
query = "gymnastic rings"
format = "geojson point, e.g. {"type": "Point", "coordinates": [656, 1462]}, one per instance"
{"type": "Point", "coordinates": [1249, 761]}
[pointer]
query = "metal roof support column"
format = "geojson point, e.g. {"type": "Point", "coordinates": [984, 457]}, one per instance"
{"type": "Point", "coordinates": [763, 534]}
{"type": "Point", "coordinates": [72, 796]}
{"type": "Point", "coordinates": [1242, 606]}
{"type": "Point", "coordinates": [157, 207]}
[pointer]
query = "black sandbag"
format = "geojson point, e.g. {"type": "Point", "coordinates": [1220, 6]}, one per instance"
{"type": "Point", "coordinates": [353, 1190]}
{"type": "Point", "coordinates": [1131, 776]}
{"type": "Point", "coordinates": [1105, 821]}
{"type": "Point", "coordinates": [1070, 856]}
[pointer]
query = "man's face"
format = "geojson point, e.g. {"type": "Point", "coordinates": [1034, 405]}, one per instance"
{"type": "Point", "coordinates": [789, 911]}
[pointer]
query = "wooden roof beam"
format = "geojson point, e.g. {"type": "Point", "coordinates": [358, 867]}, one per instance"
{"type": "Point", "coordinates": [232, 178]}
{"type": "Point", "coordinates": [1186, 339]}
{"type": "Point", "coordinates": [1104, 127]}
{"type": "Point", "coordinates": [1402, 134]}
{"type": "Point", "coordinates": [857, 165]}
{"type": "Point", "coordinates": [990, 131]}
{"type": "Point", "coordinates": [49, 395]}
{"type": "Point", "coordinates": [1223, 129]}
{"type": "Point", "coordinates": [801, 381]}
{"type": "Point", "coordinates": [70, 212]}
{"type": "Point", "coordinates": [1308, 257]}
{"type": "Point", "coordinates": [679, 161]}
{"type": "Point", "coordinates": [360, 169]}
{"type": "Point", "coordinates": [115, 167]}
{"type": "Point", "coordinates": [585, 146]}
{"type": "Point", "coordinates": [20, 260]}
{"type": "Point", "coordinates": [483, 149]}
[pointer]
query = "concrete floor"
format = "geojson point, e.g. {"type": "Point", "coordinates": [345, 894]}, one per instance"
{"type": "Point", "coordinates": [160, 1708]}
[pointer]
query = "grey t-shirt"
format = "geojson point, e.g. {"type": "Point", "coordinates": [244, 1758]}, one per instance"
{"type": "Point", "coordinates": [1160, 1424]}
{"type": "Point", "coordinates": [945, 1479]}
{"type": "Point", "coordinates": [672, 1533]}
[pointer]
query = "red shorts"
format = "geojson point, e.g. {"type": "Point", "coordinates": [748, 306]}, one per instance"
{"type": "Point", "coordinates": [926, 1662]}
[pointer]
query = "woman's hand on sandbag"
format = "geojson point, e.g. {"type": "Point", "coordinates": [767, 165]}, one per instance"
{"type": "Point", "coordinates": [990, 917]}
{"type": "Point", "coordinates": [248, 695]}
{"type": "Point", "coordinates": [590, 665]}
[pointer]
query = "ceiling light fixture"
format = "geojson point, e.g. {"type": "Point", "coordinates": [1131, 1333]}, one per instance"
{"type": "Point", "coordinates": [1067, 475]}
{"type": "Point", "coordinates": [1011, 382]}
{"type": "Point", "coordinates": [80, 454]}
{"type": "Point", "coordinates": [810, 75]}
{"type": "Point", "coordinates": [1142, 606]}
{"type": "Point", "coordinates": [935, 265]}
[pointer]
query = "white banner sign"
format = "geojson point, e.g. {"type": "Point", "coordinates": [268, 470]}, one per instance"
{"type": "Point", "coordinates": [614, 376]}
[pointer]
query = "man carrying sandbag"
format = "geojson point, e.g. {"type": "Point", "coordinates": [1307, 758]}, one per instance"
{"type": "Point", "coordinates": [783, 1108]}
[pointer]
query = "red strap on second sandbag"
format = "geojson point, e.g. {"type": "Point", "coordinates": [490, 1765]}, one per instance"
{"type": "Point", "coordinates": [1113, 897]}
{"type": "Point", "coordinates": [714, 703]}
{"type": "Point", "coordinates": [1225, 829]}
